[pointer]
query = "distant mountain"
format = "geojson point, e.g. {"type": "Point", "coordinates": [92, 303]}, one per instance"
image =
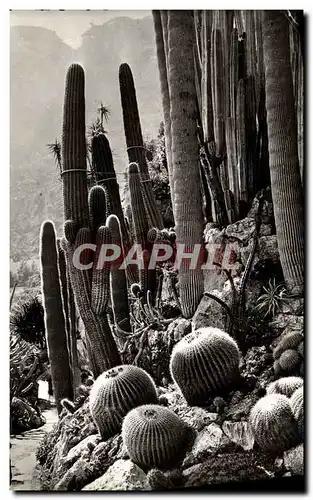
{"type": "Point", "coordinates": [39, 60]}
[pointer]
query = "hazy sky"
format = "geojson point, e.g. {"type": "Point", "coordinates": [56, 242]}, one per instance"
{"type": "Point", "coordinates": [70, 24]}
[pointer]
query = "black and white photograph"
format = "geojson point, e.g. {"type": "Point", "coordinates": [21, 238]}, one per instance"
{"type": "Point", "coordinates": [157, 252]}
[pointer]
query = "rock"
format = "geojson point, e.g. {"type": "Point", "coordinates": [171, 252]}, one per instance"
{"type": "Point", "coordinates": [227, 467]}
{"type": "Point", "coordinates": [294, 460]}
{"type": "Point", "coordinates": [210, 440]}
{"type": "Point", "coordinates": [123, 475]}
{"type": "Point", "coordinates": [282, 321]}
{"type": "Point", "coordinates": [266, 249]}
{"type": "Point", "coordinates": [211, 313]}
{"type": "Point", "coordinates": [177, 330]}
{"type": "Point", "coordinates": [87, 444]}
{"type": "Point", "coordinates": [239, 433]}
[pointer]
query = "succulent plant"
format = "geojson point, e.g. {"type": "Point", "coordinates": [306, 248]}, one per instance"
{"type": "Point", "coordinates": [153, 435]}
{"type": "Point", "coordinates": [117, 391]}
{"type": "Point", "coordinates": [273, 424]}
{"type": "Point", "coordinates": [297, 406]}
{"type": "Point", "coordinates": [289, 341]}
{"type": "Point", "coordinates": [286, 386]}
{"type": "Point", "coordinates": [204, 363]}
{"type": "Point", "coordinates": [300, 349]}
{"type": "Point", "coordinates": [290, 361]}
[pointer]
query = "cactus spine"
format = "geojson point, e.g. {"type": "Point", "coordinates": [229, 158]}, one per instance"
{"type": "Point", "coordinates": [188, 199]}
{"type": "Point", "coordinates": [297, 406]}
{"type": "Point", "coordinates": [204, 363]}
{"type": "Point", "coordinates": [115, 392]}
{"type": "Point", "coordinates": [90, 286]}
{"type": "Point", "coordinates": [286, 386]}
{"type": "Point", "coordinates": [153, 435]}
{"type": "Point", "coordinates": [134, 141]}
{"type": "Point", "coordinates": [54, 316]}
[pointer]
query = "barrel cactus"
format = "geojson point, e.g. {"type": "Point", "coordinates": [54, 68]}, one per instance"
{"type": "Point", "coordinates": [115, 392]}
{"type": "Point", "coordinates": [273, 424]}
{"type": "Point", "coordinates": [286, 386]}
{"type": "Point", "coordinates": [290, 361]}
{"type": "Point", "coordinates": [154, 436]}
{"type": "Point", "coordinates": [290, 341]}
{"type": "Point", "coordinates": [297, 406]}
{"type": "Point", "coordinates": [204, 363]}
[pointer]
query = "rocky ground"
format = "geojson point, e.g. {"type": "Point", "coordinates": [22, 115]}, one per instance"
{"type": "Point", "coordinates": [221, 446]}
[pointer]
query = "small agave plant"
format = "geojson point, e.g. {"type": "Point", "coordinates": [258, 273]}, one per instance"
{"type": "Point", "coordinates": [272, 300]}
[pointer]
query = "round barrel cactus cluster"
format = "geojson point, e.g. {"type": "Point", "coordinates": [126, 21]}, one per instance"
{"type": "Point", "coordinates": [117, 391]}
{"type": "Point", "coordinates": [286, 386]}
{"type": "Point", "coordinates": [154, 436]}
{"type": "Point", "coordinates": [204, 364]}
{"type": "Point", "coordinates": [273, 424]}
{"type": "Point", "coordinates": [289, 355]}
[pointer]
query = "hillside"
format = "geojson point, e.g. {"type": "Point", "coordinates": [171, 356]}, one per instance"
{"type": "Point", "coordinates": [39, 59]}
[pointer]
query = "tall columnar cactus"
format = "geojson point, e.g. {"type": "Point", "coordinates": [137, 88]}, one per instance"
{"type": "Point", "coordinates": [188, 198]}
{"type": "Point", "coordinates": [54, 316]}
{"type": "Point", "coordinates": [115, 393]}
{"type": "Point", "coordinates": [286, 185]}
{"type": "Point", "coordinates": [74, 168]}
{"type": "Point", "coordinates": [160, 34]}
{"type": "Point", "coordinates": [286, 386]}
{"type": "Point", "coordinates": [154, 436]}
{"type": "Point", "coordinates": [297, 406]}
{"type": "Point", "coordinates": [218, 90]}
{"type": "Point", "coordinates": [89, 285]}
{"type": "Point", "coordinates": [69, 315]}
{"type": "Point", "coordinates": [134, 141]}
{"type": "Point", "coordinates": [206, 84]}
{"type": "Point", "coordinates": [273, 424]}
{"type": "Point", "coordinates": [119, 295]}
{"type": "Point", "coordinates": [204, 363]}
{"type": "Point", "coordinates": [102, 161]}
{"type": "Point", "coordinates": [141, 226]}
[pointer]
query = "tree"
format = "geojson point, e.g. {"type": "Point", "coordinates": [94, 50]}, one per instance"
{"type": "Point", "coordinates": [283, 152]}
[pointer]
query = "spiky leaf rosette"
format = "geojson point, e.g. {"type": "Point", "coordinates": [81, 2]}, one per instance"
{"type": "Point", "coordinates": [273, 424]}
{"type": "Point", "coordinates": [297, 406]}
{"type": "Point", "coordinates": [286, 386]}
{"type": "Point", "coordinates": [153, 435]}
{"type": "Point", "coordinates": [204, 363]}
{"type": "Point", "coordinates": [115, 393]}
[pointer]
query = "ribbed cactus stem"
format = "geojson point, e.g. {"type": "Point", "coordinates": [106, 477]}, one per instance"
{"type": "Point", "coordinates": [206, 92]}
{"type": "Point", "coordinates": [241, 142]}
{"type": "Point", "coordinates": [286, 185]}
{"type": "Point", "coordinates": [55, 326]}
{"type": "Point", "coordinates": [103, 165]}
{"type": "Point", "coordinates": [134, 141]}
{"type": "Point", "coordinates": [187, 182]}
{"type": "Point", "coordinates": [140, 222]}
{"type": "Point", "coordinates": [161, 55]}
{"type": "Point", "coordinates": [74, 168]}
{"type": "Point", "coordinates": [218, 90]}
{"type": "Point", "coordinates": [100, 288]}
{"type": "Point", "coordinates": [230, 129]}
{"type": "Point", "coordinates": [97, 207]}
{"type": "Point", "coordinates": [233, 72]}
{"type": "Point", "coordinates": [119, 295]}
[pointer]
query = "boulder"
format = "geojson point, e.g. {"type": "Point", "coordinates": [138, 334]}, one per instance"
{"type": "Point", "coordinates": [294, 460]}
{"type": "Point", "coordinates": [123, 475]}
{"type": "Point", "coordinates": [210, 440]}
{"type": "Point", "coordinates": [23, 417]}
